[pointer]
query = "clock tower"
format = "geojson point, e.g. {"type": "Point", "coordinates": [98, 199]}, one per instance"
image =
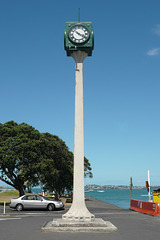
{"type": "Point", "coordinates": [79, 43]}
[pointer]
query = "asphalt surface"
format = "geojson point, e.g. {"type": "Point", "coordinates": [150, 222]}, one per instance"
{"type": "Point", "coordinates": [26, 225]}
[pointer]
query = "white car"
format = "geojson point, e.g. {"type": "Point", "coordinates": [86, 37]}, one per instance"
{"type": "Point", "coordinates": [35, 202]}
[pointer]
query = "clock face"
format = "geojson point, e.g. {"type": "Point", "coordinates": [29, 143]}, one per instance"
{"type": "Point", "coordinates": [78, 34]}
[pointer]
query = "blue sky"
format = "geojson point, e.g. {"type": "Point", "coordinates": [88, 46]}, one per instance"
{"type": "Point", "coordinates": [121, 80]}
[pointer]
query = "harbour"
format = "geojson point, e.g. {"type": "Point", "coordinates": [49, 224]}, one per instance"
{"type": "Point", "coordinates": [119, 197]}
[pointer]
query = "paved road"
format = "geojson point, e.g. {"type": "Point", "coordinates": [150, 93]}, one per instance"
{"type": "Point", "coordinates": [27, 225]}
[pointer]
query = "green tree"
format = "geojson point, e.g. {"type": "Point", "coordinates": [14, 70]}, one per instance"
{"type": "Point", "coordinates": [87, 168]}
{"type": "Point", "coordinates": [18, 155]}
{"type": "Point", "coordinates": [56, 165]}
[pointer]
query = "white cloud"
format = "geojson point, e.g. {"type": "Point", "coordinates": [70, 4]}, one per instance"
{"type": "Point", "coordinates": [153, 52]}
{"type": "Point", "coordinates": [156, 29]}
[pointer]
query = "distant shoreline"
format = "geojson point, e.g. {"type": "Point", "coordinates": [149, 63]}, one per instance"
{"type": "Point", "coordinates": [97, 187]}
{"type": "Point", "coordinates": [3, 189]}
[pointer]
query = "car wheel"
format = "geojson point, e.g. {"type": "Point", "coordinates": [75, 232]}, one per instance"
{"type": "Point", "coordinates": [51, 207]}
{"type": "Point", "coordinates": [19, 207]}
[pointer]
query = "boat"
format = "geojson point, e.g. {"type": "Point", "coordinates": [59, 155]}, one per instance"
{"type": "Point", "coordinates": [100, 191]}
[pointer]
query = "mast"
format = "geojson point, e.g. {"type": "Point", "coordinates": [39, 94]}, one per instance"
{"type": "Point", "coordinates": [79, 15]}
{"type": "Point", "coordinates": [149, 188]}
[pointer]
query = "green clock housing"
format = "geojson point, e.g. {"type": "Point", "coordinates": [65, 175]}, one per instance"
{"type": "Point", "coordinates": [79, 36]}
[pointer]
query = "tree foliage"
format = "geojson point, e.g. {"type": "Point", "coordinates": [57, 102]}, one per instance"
{"type": "Point", "coordinates": [56, 165]}
{"type": "Point", "coordinates": [18, 155]}
{"type": "Point", "coordinates": [28, 158]}
{"type": "Point", "coordinates": [87, 168]}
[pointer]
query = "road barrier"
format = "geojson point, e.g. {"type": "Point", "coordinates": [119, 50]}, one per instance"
{"type": "Point", "coordinates": [150, 208]}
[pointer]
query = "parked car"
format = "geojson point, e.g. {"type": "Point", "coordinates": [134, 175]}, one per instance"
{"type": "Point", "coordinates": [35, 202]}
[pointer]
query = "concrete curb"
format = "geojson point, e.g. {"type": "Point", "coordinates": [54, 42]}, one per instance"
{"type": "Point", "coordinates": [60, 225]}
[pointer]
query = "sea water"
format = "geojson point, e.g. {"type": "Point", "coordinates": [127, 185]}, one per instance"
{"type": "Point", "coordinates": [118, 197]}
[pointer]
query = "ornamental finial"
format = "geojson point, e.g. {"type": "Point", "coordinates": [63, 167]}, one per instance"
{"type": "Point", "coordinates": [79, 15]}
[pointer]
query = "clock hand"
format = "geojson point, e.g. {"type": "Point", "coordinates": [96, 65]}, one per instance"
{"type": "Point", "coordinates": [82, 35]}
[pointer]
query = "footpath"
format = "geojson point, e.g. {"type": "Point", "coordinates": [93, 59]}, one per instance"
{"type": "Point", "coordinates": [131, 225]}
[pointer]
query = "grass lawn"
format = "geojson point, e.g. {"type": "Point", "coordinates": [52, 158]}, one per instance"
{"type": "Point", "coordinates": [7, 195]}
